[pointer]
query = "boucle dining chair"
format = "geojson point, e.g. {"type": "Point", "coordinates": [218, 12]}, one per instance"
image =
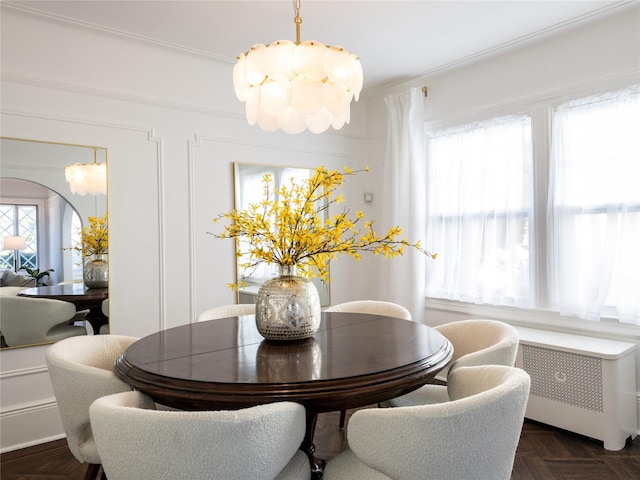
{"type": "Point", "coordinates": [135, 441]}
{"type": "Point", "coordinates": [224, 311]}
{"type": "Point", "coordinates": [473, 436]}
{"type": "Point", "coordinates": [475, 342]}
{"type": "Point", "coordinates": [375, 307]}
{"type": "Point", "coordinates": [81, 370]}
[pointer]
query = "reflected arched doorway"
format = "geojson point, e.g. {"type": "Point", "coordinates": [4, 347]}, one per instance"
{"type": "Point", "coordinates": [47, 221]}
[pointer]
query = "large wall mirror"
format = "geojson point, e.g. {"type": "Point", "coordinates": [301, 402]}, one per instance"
{"type": "Point", "coordinates": [37, 206]}
{"type": "Point", "coordinates": [248, 187]}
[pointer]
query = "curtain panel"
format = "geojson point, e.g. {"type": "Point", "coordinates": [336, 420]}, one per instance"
{"type": "Point", "coordinates": [402, 279]}
{"type": "Point", "coordinates": [480, 204]}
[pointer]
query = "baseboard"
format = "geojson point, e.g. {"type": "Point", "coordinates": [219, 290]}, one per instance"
{"type": "Point", "coordinates": [28, 425]}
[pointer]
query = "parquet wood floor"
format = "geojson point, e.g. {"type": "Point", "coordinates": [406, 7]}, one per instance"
{"type": "Point", "coordinates": [544, 453]}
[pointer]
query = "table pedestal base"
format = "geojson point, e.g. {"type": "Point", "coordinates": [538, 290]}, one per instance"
{"type": "Point", "coordinates": [96, 318]}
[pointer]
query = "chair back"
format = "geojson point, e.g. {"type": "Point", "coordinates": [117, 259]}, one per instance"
{"type": "Point", "coordinates": [375, 307]}
{"type": "Point", "coordinates": [224, 311]}
{"type": "Point", "coordinates": [481, 342]}
{"type": "Point", "coordinates": [81, 370]}
{"type": "Point", "coordinates": [137, 441]}
{"type": "Point", "coordinates": [473, 436]}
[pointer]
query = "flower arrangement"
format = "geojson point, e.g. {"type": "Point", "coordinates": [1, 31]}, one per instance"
{"type": "Point", "coordinates": [294, 228]}
{"type": "Point", "coordinates": [94, 238]}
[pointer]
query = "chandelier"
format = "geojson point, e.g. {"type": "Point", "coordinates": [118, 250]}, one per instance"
{"type": "Point", "coordinates": [88, 178]}
{"type": "Point", "coordinates": [297, 86]}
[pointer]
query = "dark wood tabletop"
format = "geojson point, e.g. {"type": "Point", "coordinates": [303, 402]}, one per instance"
{"type": "Point", "coordinates": [353, 360]}
{"type": "Point", "coordinates": [78, 294]}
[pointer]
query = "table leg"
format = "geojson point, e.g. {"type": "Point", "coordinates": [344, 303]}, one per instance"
{"type": "Point", "coordinates": [317, 464]}
{"type": "Point", "coordinates": [96, 318]}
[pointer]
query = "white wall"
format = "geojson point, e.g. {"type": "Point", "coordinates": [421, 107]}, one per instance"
{"type": "Point", "coordinates": [173, 129]}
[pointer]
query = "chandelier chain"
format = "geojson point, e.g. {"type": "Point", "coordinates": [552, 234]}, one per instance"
{"type": "Point", "coordinates": [297, 19]}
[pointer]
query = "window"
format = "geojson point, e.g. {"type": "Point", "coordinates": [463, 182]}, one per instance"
{"type": "Point", "coordinates": [480, 211]}
{"type": "Point", "coordinates": [594, 267]}
{"type": "Point", "coordinates": [481, 197]}
{"type": "Point", "coordinates": [19, 221]}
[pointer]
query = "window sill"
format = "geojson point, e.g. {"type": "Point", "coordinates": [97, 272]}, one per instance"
{"type": "Point", "coordinates": [532, 318]}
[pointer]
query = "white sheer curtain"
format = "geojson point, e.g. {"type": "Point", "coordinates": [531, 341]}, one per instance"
{"type": "Point", "coordinates": [594, 208]}
{"type": "Point", "coordinates": [402, 279]}
{"type": "Point", "coordinates": [480, 212]}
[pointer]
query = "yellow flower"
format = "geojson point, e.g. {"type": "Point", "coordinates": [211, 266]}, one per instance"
{"type": "Point", "coordinates": [294, 229]}
{"type": "Point", "coordinates": [94, 238]}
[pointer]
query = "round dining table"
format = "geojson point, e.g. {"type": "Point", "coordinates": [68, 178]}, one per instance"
{"type": "Point", "coordinates": [353, 360]}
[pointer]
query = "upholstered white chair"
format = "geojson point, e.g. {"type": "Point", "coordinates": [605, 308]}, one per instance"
{"type": "Point", "coordinates": [475, 342]}
{"type": "Point", "coordinates": [135, 441]}
{"type": "Point", "coordinates": [81, 370]}
{"type": "Point", "coordinates": [472, 436]}
{"type": "Point", "coordinates": [225, 311]}
{"type": "Point", "coordinates": [28, 321]}
{"type": "Point", "coordinates": [375, 307]}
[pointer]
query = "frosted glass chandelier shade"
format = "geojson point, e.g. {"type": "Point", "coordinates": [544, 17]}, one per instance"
{"type": "Point", "coordinates": [297, 86]}
{"type": "Point", "coordinates": [86, 178]}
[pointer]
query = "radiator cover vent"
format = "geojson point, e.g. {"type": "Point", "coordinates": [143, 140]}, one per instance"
{"type": "Point", "coordinates": [565, 377]}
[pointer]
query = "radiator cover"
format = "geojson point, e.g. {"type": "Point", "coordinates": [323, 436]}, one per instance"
{"type": "Point", "coordinates": [582, 384]}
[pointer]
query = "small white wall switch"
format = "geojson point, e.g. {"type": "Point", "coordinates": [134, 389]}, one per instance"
{"type": "Point", "coordinates": [368, 197]}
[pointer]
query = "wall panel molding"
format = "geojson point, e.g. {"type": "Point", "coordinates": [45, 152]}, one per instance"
{"type": "Point", "coordinates": [23, 372]}
{"type": "Point", "coordinates": [234, 150]}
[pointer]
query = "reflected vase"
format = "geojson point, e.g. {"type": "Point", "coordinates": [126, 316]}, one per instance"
{"type": "Point", "coordinates": [95, 272]}
{"type": "Point", "coordinates": [288, 307]}
{"type": "Point", "coordinates": [282, 362]}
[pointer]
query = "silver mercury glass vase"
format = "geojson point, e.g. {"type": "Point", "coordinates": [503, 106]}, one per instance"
{"type": "Point", "coordinates": [95, 272]}
{"type": "Point", "coordinates": [288, 307]}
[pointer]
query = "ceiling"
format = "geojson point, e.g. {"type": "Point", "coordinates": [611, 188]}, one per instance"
{"type": "Point", "coordinates": [395, 40]}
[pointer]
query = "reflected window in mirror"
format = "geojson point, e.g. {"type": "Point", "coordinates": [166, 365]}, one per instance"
{"type": "Point", "coordinates": [19, 222]}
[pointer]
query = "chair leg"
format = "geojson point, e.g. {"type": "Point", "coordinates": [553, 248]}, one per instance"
{"type": "Point", "coordinates": [92, 471]}
{"type": "Point", "coordinates": [343, 415]}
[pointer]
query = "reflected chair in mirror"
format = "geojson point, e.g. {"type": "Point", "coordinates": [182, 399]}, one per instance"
{"type": "Point", "coordinates": [473, 436]}
{"type": "Point", "coordinates": [104, 329]}
{"type": "Point", "coordinates": [224, 311]}
{"type": "Point", "coordinates": [475, 342]}
{"type": "Point", "coordinates": [375, 307]}
{"type": "Point", "coordinates": [29, 321]}
{"type": "Point", "coordinates": [81, 370]}
{"type": "Point", "coordinates": [135, 441]}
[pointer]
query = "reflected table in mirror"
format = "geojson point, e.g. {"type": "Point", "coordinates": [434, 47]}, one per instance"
{"type": "Point", "coordinates": [354, 360]}
{"type": "Point", "coordinates": [78, 294]}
